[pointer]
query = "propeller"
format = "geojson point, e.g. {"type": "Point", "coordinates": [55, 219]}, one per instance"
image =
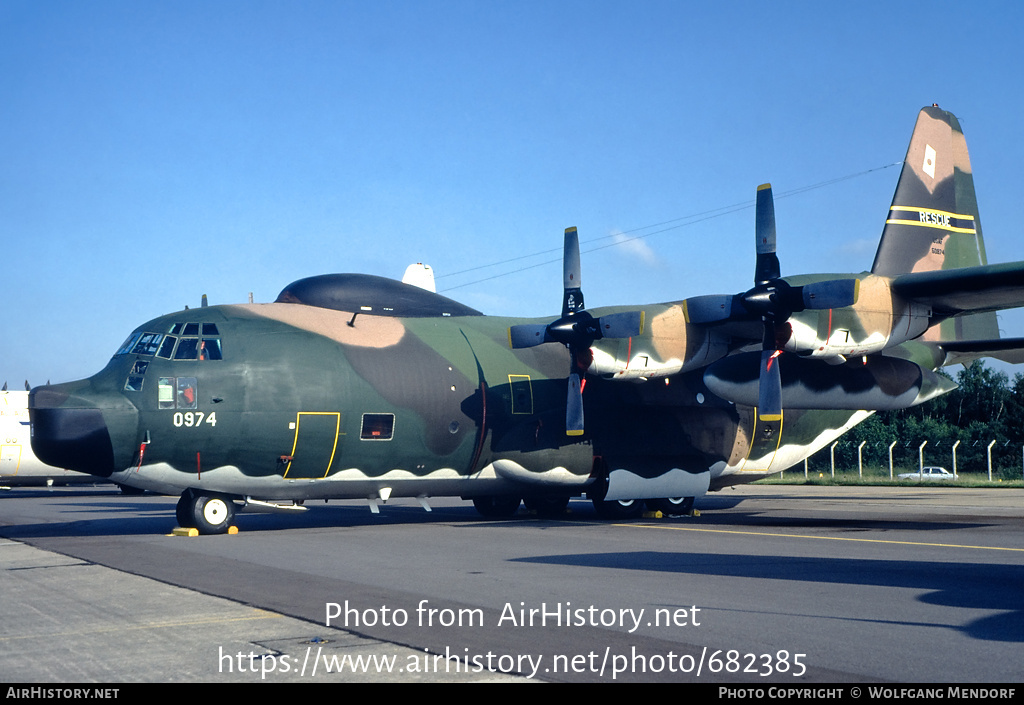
{"type": "Point", "coordinates": [577, 330]}
{"type": "Point", "coordinates": [774, 300]}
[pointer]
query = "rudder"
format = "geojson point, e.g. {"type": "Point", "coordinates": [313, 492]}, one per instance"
{"type": "Point", "coordinates": [933, 222]}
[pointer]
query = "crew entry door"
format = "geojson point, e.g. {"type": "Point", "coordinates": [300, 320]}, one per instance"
{"type": "Point", "coordinates": [317, 444]}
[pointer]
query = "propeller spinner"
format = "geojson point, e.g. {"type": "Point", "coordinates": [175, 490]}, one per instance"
{"type": "Point", "coordinates": [577, 330]}
{"type": "Point", "coordinates": [774, 300]}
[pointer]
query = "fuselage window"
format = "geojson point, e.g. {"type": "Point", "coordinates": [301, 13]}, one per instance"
{"type": "Point", "coordinates": [188, 393]}
{"type": "Point", "coordinates": [191, 329]}
{"type": "Point", "coordinates": [210, 329]}
{"type": "Point", "coordinates": [377, 427]}
{"type": "Point", "coordinates": [178, 393]}
{"type": "Point", "coordinates": [165, 393]}
{"type": "Point", "coordinates": [136, 377]}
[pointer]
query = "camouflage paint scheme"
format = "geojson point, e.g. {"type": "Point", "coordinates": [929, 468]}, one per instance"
{"type": "Point", "coordinates": [350, 386]}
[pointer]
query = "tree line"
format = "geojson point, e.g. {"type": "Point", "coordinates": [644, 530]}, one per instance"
{"type": "Point", "coordinates": [987, 406]}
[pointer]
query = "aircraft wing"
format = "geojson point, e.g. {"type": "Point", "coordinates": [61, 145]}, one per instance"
{"type": "Point", "coordinates": [953, 292]}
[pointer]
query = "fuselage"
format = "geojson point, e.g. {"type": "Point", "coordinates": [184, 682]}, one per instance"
{"type": "Point", "coordinates": [291, 401]}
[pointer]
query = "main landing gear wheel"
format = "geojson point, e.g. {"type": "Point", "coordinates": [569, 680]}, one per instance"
{"type": "Point", "coordinates": [210, 514]}
{"type": "Point", "coordinates": [618, 508]}
{"type": "Point", "coordinates": [672, 506]}
{"type": "Point", "coordinates": [547, 505]}
{"type": "Point", "coordinates": [496, 507]}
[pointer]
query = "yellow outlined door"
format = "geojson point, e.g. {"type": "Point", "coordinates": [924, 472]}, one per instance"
{"type": "Point", "coordinates": [521, 389]}
{"type": "Point", "coordinates": [317, 436]}
{"type": "Point", "coordinates": [10, 460]}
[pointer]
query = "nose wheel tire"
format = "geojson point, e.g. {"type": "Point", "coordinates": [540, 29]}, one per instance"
{"type": "Point", "coordinates": [210, 514]}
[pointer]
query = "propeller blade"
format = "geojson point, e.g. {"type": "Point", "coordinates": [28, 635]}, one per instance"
{"type": "Point", "coordinates": [574, 407]}
{"type": "Point", "coordinates": [527, 335]}
{"type": "Point", "coordinates": [767, 265]}
{"type": "Point", "coordinates": [621, 325]}
{"type": "Point", "coordinates": [572, 300]}
{"type": "Point", "coordinates": [769, 391]}
{"type": "Point", "coordinates": [837, 293]}
{"type": "Point", "coordinates": [713, 308]}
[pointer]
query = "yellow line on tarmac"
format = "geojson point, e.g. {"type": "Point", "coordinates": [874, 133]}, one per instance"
{"type": "Point", "coordinates": [820, 538]}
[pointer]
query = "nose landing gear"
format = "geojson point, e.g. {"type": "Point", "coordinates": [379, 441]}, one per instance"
{"type": "Point", "coordinates": [208, 513]}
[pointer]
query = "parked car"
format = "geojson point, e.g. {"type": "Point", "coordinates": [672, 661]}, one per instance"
{"type": "Point", "coordinates": [931, 472]}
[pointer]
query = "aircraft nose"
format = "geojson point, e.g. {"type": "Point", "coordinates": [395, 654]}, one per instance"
{"type": "Point", "coordinates": [79, 427]}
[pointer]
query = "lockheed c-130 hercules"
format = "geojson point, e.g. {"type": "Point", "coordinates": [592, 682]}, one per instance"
{"type": "Point", "coordinates": [355, 386]}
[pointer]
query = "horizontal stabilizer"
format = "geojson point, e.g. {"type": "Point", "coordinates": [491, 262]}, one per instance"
{"type": "Point", "coordinates": [1009, 350]}
{"type": "Point", "coordinates": [952, 292]}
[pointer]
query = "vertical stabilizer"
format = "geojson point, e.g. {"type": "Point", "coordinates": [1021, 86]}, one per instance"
{"type": "Point", "coordinates": [933, 222]}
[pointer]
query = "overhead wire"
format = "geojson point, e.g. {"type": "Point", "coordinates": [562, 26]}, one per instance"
{"type": "Point", "coordinates": [672, 224]}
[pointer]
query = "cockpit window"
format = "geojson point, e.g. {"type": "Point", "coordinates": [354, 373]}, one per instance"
{"type": "Point", "coordinates": [148, 344]}
{"type": "Point", "coordinates": [209, 349]}
{"type": "Point", "coordinates": [183, 342]}
{"type": "Point", "coordinates": [188, 349]}
{"type": "Point", "coordinates": [128, 344]}
{"type": "Point", "coordinates": [167, 347]}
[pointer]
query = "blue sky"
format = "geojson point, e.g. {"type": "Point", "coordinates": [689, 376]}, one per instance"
{"type": "Point", "coordinates": [153, 152]}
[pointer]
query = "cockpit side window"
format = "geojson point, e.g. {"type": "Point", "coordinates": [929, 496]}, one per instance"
{"type": "Point", "coordinates": [188, 349]}
{"type": "Point", "coordinates": [128, 344]}
{"type": "Point", "coordinates": [167, 347]}
{"type": "Point", "coordinates": [148, 344]}
{"type": "Point", "coordinates": [184, 342]}
{"type": "Point", "coordinates": [209, 349]}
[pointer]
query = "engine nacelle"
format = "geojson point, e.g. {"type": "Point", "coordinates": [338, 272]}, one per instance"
{"type": "Point", "coordinates": [877, 382]}
{"type": "Point", "coordinates": [878, 320]}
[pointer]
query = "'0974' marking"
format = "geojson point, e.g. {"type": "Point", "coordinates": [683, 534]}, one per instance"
{"type": "Point", "coordinates": [192, 419]}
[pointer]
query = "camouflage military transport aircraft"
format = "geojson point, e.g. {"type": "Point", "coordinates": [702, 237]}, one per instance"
{"type": "Point", "coordinates": [355, 386]}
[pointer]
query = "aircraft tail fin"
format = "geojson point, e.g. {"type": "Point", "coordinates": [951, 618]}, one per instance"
{"type": "Point", "coordinates": [933, 222]}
